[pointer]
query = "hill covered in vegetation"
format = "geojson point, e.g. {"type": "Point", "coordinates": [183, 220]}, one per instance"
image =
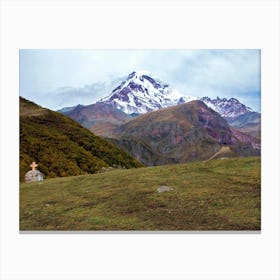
{"type": "Point", "coordinates": [62, 147]}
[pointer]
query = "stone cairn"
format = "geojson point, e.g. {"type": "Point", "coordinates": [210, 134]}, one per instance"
{"type": "Point", "coordinates": [33, 175]}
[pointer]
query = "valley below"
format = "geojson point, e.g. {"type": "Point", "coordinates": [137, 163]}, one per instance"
{"type": "Point", "coordinates": [219, 194]}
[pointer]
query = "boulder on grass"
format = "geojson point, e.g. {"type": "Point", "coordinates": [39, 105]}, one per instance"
{"type": "Point", "coordinates": [33, 176]}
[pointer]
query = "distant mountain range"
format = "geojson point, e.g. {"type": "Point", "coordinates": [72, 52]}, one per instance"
{"type": "Point", "coordinates": [62, 147]}
{"type": "Point", "coordinates": [227, 108]}
{"type": "Point", "coordinates": [236, 114]}
{"type": "Point", "coordinates": [158, 125]}
{"type": "Point", "coordinates": [141, 93]}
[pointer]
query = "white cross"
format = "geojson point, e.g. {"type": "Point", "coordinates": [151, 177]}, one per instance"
{"type": "Point", "coordinates": [33, 165]}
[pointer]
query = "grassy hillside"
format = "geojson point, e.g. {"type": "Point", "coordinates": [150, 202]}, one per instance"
{"type": "Point", "coordinates": [222, 194]}
{"type": "Point", "coordinates": [62, 147]}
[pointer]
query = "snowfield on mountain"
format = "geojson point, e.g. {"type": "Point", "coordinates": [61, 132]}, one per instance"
{"type": "Point", "coordinates": [140, 93]}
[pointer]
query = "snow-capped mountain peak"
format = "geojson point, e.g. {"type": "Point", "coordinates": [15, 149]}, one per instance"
{"type": "Point", "coordinates": [141, 93]}
{"type": "Point", "coordinates": [227, 108]}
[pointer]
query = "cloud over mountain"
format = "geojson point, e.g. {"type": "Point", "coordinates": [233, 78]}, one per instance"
{"type": "Point", "coordinates": [224, 73]}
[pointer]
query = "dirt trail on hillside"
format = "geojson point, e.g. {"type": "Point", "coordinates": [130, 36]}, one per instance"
{"type": "Point", "coordinates": [223, 150]}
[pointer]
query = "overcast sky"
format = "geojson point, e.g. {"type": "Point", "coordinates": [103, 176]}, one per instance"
{"type": "Point", "coordinates": [60, 78]}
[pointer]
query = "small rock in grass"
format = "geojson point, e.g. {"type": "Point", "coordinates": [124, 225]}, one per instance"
{"type": "Point", "coordinates": [164, 189]}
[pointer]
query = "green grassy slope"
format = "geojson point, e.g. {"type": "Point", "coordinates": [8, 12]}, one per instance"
{"type": "Point", "coordinates": [222, 194]}
{"type": "Point", "coordinates": [62, 147]}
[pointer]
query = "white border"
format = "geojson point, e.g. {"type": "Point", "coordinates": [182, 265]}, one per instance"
{"type": "Point", "coordinates": [163, 24]}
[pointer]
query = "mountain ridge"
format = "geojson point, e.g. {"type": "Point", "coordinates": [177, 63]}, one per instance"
{"type": "Point", "coordinates": [100, 118]}
{"type": "Point", "coordinates": [227, 108]}
{"type": "Point", "coordinates": [187, 132]}
{"type": "Point", "coordinates": [237, 114]}
{"type": "Point", "coordinates": [140, 93]}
